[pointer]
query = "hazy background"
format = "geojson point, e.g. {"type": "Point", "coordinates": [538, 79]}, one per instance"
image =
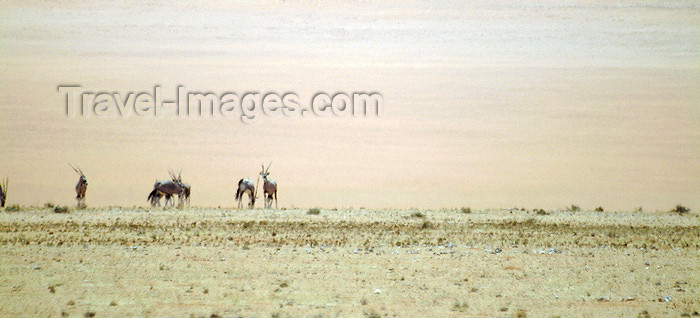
{"type": "Point", "coordinates": [487, 104]}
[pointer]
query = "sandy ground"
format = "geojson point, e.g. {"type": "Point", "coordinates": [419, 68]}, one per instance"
{"type": "Point", "coordinates": [394, 263]}
{"type": "Point", "coordinates": [522, 103]}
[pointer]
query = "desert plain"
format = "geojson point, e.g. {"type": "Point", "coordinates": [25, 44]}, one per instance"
{"type": "Point", "coordinates": [216, 262]}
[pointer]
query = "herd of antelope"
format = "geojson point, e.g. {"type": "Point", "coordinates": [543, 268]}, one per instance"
{"type": "Point", "coordinates": [175, 187]}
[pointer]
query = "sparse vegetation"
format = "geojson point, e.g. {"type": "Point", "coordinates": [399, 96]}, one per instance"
{"type": "Point", "coordinates": [417, 215]}
{"type": "Point", "coordinates": [372, 314]}
{"type": "Point", "coordinates": [644, 314]}
{"type": "Point", "coordinates": [540, 212]}
{"type": "Point", "coordinates": [61, 209]}
{"type": "Point", "coordinates": [13, 208]}
{"type": "Point", "coordinates": [466, 210]}
{"type": "Point", "coordinates": [680, 209]}
{"type": "Point", "coordinates": [599, 209]}
{"type": "Point", "coordinates": [460, 306]}
{"type": "Point", "coordinates": [199, 254]}
{"type": "Point", "coordinates": [573, 208]}
{"type": "Point", "coordinates": [313, 211]}
{"type": "Point", "coordinates": [49, 205]}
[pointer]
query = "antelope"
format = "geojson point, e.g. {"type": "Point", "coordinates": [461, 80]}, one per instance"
{"type": "Point", "coordinates": [186, 193]}
{"type": "Point", "coordinates": [168, 188]}
{"type": "Point", "coordinates": [269, 187]}
{"type": "Point", "coordinates": [3, 192]}
{"type": "Point", "coordinates": [81, 187]}
{"type": "Point", "coordinates": [245, 185]}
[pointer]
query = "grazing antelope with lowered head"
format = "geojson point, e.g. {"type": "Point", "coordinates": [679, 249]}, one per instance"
{"type": "Point", "coordinates": [81, 187]}
{"type": "Point", "coordinates": [269, 187]}
{"type": "Point", "coordinates": [3, 192]}
{"type": "Point", "coordinates": [245, 186]}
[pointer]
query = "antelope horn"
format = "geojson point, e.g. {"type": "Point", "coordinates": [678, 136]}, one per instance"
{"type": "Point", "coordinates": [268, 167]}
{"type": "Point", "coordinates": [75, 169]}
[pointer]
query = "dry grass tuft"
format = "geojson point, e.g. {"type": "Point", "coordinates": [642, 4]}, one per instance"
{"type": "Point", "coordinates": [313, 211]}
{"type": "Point", "coordinates": [61, 209]}
{"type": "Point", "coordinates": [680, 209]}
{"type": "Point", "coordinates": [419, 215]}
{"type": "Point", "coordinates": [13, 208]}
{"type": "Point", "coordinates": [573, 208]}
{"type": "Point", "coordinates": [460, 306]}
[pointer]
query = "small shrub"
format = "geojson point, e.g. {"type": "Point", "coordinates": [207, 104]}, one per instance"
{"type": "Point", "coordinates": [13, 208]}
{"type": "Point", "coordinates": [372, 314]}
{"type": "Point", "coordinates": [638, 209]}
{"type": "Point", "coordinates": [643, 314]}
{"type": "Point", "coordinates": [313, 211]}
{"type": "Point", "coordinates": [573, 208]}
{"type": "Point", "coordinates": [417, 215]}
{"type": "Point", "coordinates": [540, 212]}
{"type": "Point", "coordinates": [520, 314]}
{"type": "Point", "coordinates": [466, 210]}
{"type": "Point", "coordinates": [460, 306]}
{"type": "Point", "coordinates": [49, 205]}
{"type": "Point", "coordinates": [426, 225]}
{"type": "Point", "coordinates": [599, 209]}
{"type": "Point", "coordinates": [61, 209]}
{"type": "Point", "coordinates": [680, 209]}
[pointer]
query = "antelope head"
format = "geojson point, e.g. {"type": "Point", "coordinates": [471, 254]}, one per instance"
{"type": "Point", "coordinates": [265, 172]}
{"type": "Point", "coordinates": [177, 178]}
{"type": "Point", "coordinates": [80, 173]}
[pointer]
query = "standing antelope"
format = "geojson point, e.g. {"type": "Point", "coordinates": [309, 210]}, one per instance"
{"type": "Point", "coordinates": [3, 192]}
{"type": "Point", "coordinates": [269, 187]}
{"type": "Point", "coordinates": [81, 187]}
{"type": "Point", "coordinates": [186, 190]}
{"type": "Point", "coordinates": [245, 185]}
{"type": "Point", "coordinates": [168, 188]}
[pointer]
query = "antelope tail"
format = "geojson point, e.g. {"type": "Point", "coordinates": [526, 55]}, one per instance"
{"type": "Point", "coordinates": [238, 191]}
{"type": "Point", "coordinates": [152, 194]}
